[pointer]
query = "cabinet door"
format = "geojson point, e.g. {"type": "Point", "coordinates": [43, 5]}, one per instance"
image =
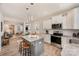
{"type": "Point", "coordinates": [76, 18]}
{"type": "Point", "coordinates": [47, 24]}
{"type": "Point", "coordinates": [57, 19]}
{"type": "Point", "coordinates": [68, 20]}
{"type": "Point", "coordinates": [54, 20]}
{"type": "Point", "coordinates": [47, 38]}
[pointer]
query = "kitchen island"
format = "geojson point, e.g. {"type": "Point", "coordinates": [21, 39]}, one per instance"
{"type": "Point", "coordinates": [37, 43]}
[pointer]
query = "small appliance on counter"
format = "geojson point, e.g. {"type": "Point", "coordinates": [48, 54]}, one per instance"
{"type": "Point", "coordinates": [76, 35]}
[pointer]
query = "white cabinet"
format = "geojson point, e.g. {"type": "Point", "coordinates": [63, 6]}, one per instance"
{"type": "Point", "coordinates": [47, 38]}
{"type": "Point", "coordinates": [76, 18]}
{"type": "Point", "coordinates": [68, 48]}
{"type": "Point", "coordinates": [57, 19]}
{"type": "Point", "coordinates": [71, 19]}
{"type": "Point", "coordinates": [47, 24]}
{"type": "Point", "coordinates": [68, 20]}
{"type": "Point", "coordinates": [70, 51]}
{"type": "Point", "coordinates": [54, 20]}
{"type": "Point", "coordinates": [65, 41]}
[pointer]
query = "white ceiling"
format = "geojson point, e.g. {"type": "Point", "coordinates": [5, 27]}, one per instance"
{"type": "Point", "coordinates": [38, 10]}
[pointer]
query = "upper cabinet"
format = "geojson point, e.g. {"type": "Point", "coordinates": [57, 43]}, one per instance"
{"type": "Point", "coordinates": [68, 20]}
{"type": "Point", "coordinates": [76, 18]}
{"type": "Point", "coordinates": [47, 24]}
{"type": "Point", "coordinates": [71, 19]}
{"type": "Point", "coordinates": [57, 19]}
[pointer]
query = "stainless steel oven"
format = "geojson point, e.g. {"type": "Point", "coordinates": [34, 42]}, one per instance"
{"type": "Point", "coordinates": [56, 38]}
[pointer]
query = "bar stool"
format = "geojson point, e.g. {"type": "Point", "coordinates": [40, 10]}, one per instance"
{"type": "Point", "coordinates": [25, 49]}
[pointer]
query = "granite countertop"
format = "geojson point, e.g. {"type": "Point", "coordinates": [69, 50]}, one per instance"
{"type": "Point", "coordinates": [31, 38]}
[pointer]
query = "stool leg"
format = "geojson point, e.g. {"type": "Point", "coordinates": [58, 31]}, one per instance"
{"type": "Point", "coordinates": [26, 51]}
{"type": "Point", "coordinates": [29, 52]}
{"type": "Point", "coordinates": [23, 52]}
{"type": "Point", "coordinates": [20, 50]}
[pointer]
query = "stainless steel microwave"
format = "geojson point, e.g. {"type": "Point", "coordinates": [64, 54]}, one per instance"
{"type": "Point", "coordinates": [56, 26]}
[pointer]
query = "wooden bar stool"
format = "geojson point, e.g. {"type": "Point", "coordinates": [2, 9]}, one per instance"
{"type": "Point", "coordinates": [25, 49]}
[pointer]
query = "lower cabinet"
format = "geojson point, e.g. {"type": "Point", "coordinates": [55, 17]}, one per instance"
{"type": "Point", "coordinates": [69, 49]}
{"type": "Point", "coordinates": [38, 47]}
{"type": "Point", "coordinates": [47, 38]}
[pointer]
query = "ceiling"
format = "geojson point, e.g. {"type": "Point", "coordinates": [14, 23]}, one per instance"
{"type": "Point", "coordinates": [18, 10]}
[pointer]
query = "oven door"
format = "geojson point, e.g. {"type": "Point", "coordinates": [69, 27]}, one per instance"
{"type": "Point", "coordinates": [55, 39]}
